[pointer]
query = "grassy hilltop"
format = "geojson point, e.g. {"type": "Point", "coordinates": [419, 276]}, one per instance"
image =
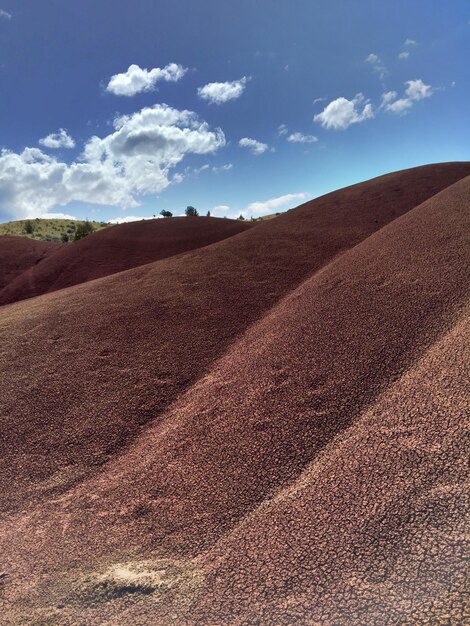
{"type": "Point", "coordinates": [45, 229]}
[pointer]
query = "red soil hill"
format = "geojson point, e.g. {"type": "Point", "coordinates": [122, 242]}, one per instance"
{"type": "Point", "coordinates": [198, 518]}
{"type": "Point", "coordinates": [86, 368]}
{"type": "Point", "coordinates": [116, 249]}
{"type": "Point", "coordinates": [18, 254]}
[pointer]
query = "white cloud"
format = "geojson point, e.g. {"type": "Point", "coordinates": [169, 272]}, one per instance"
{"type": "Point", "coordinates": [410, 42]}
{"type": "Point", "coordinates": [300, 138]}
{"type": "Point", "coordinates": [319, 100]}
{"type": "Point", "coordinates": [132, 218]}
{"type": "Point", "coordinates": [377, 65]}
{"type": "Point", "coordinates": [274, 205]}
{"type": "Point", "coordinates": [134, 160]}
{"type": "Point", "coordinates": [341, 113]}
{"type": "Point", "coordinates": [218, 93]}
{"type": "Point", "coordinates": [282, 130]}
{"type": "Point", "coordinates": [203, 168]}
{"type": "Point", "coordinates": [5, 14]}
{"type": "Point", "coordinates": [387, 97]}
{"type": "Point", "coordinates": [138, 79]}
{"type": "Point", "coordinates": [221, 209]}
{"type": "Point", "coordinates": [222, 168]}
{"type": "Point", "coordinates": [61, 139]}
{"type": "Point", "coordinates": [256, 147]}
{"type": "Point", "coordinates": [372, 58]}
{"type": "Point", "coordinates": [403, 55]}
{"type": "Point", "coordinates": [415, 90]}
{"type": "Point", "coordinates": [399, 106]}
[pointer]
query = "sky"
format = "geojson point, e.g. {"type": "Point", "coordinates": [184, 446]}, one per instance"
{"type": "Point", "coordinates": [114, 110]}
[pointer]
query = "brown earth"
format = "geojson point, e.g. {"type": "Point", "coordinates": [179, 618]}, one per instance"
{"type": "Point", "coordinates": [116, 249]}
{"type": "Point", "coordinates": [268, 430]}
{"type": "Point", "coordinates": [19, 254]}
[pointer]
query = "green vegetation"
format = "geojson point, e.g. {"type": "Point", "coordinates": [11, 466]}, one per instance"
{"type": "Point", "coordinates": [46, 229]}
{"type": "Point", "coordinates": [83, 229]}
{"type": "Point", "coordinates": [165, 213]}
{"type": "Point", "coordinates": [191, 211]}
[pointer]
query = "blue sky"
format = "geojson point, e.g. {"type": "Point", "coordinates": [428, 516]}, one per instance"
{"type": "Point", "coordinates": [112, 109]}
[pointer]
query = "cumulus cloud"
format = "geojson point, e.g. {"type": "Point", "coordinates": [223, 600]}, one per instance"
{"type": "Point", "coordinates": [274, 205]}
{"type": "Point", "coordinates": [341, 113]}
{"type": "Point", "coordinates": [403, 55]}
{"type": "Point", "coordinates": [256, 147]}
{"type": "Point", "coordinates": [136, 159]}
{"type": "Point", "coordinates": [218, 93]}
{"type": "Point", "coordinates": [300, 138]}
{"type": "Point", "coordinates": [61, 139]}
{"type": "Point", "coordinates": [5, 15]}
{"type": "Point", "coordinates": [138, 79]}
{"type": "Point", "coordinates": [415, 90]}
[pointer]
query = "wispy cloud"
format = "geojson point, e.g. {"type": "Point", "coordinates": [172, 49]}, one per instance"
{"type": "Point", "coordinates": [219, 93]}
{"type": "Point", "coordinates": [403, 55]}
{"type": "Point", "coordinates": [377, 65]}
{"type": "Point", "coordinates": [282, 130]}
{"type": "Point", "coordinates": [273, 205]}
{"type": "Point", "coordinates": [5, 15]}
{"type": "Point", "coordinates": [341, 113]}
{"type": "Point", "coordinates": [263, 207]}
{"type": "Point", "coordinates": [301, 138]}
{"type": "Point", "coordinates": [222, 168]}
{"type": "Point", "coordinates": [132, 218]}
{"type": "Point", "coordinates": [136, 79]}
{"type": "Point", "coordinates": [256, 147]}
{"type": "Point", "coordinates": [410, 42]}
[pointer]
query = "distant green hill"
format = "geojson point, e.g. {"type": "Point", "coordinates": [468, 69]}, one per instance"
{"type": "Point", "coordinates": [45, 229]}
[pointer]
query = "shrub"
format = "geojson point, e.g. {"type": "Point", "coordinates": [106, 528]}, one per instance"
{"type": "Point", "coordinates": [28, 227]}
{"type": "Point", "coordinates": [83, 229]}
{"type": "Point", "coordinates": [65, 238]}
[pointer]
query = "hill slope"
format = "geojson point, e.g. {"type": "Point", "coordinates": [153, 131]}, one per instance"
{"type": "Point", "coordinates": [127, 345]}
{"type": "Point", "coordinates": [116, 249]}
{"type": "Point", "coordinates": [18, 254]}
{"type": "Point", "coordinates": [294, 351]}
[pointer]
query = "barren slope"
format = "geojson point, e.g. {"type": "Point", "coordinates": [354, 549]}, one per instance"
{"type": "Point", "coordinates": [18, 254]}
{"type": "Point", "coordinates": [276, 402]}
{"type": "Point", "coordinates": [116, 249]}
{"type": "Point", "coordinates": [87, 367]}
